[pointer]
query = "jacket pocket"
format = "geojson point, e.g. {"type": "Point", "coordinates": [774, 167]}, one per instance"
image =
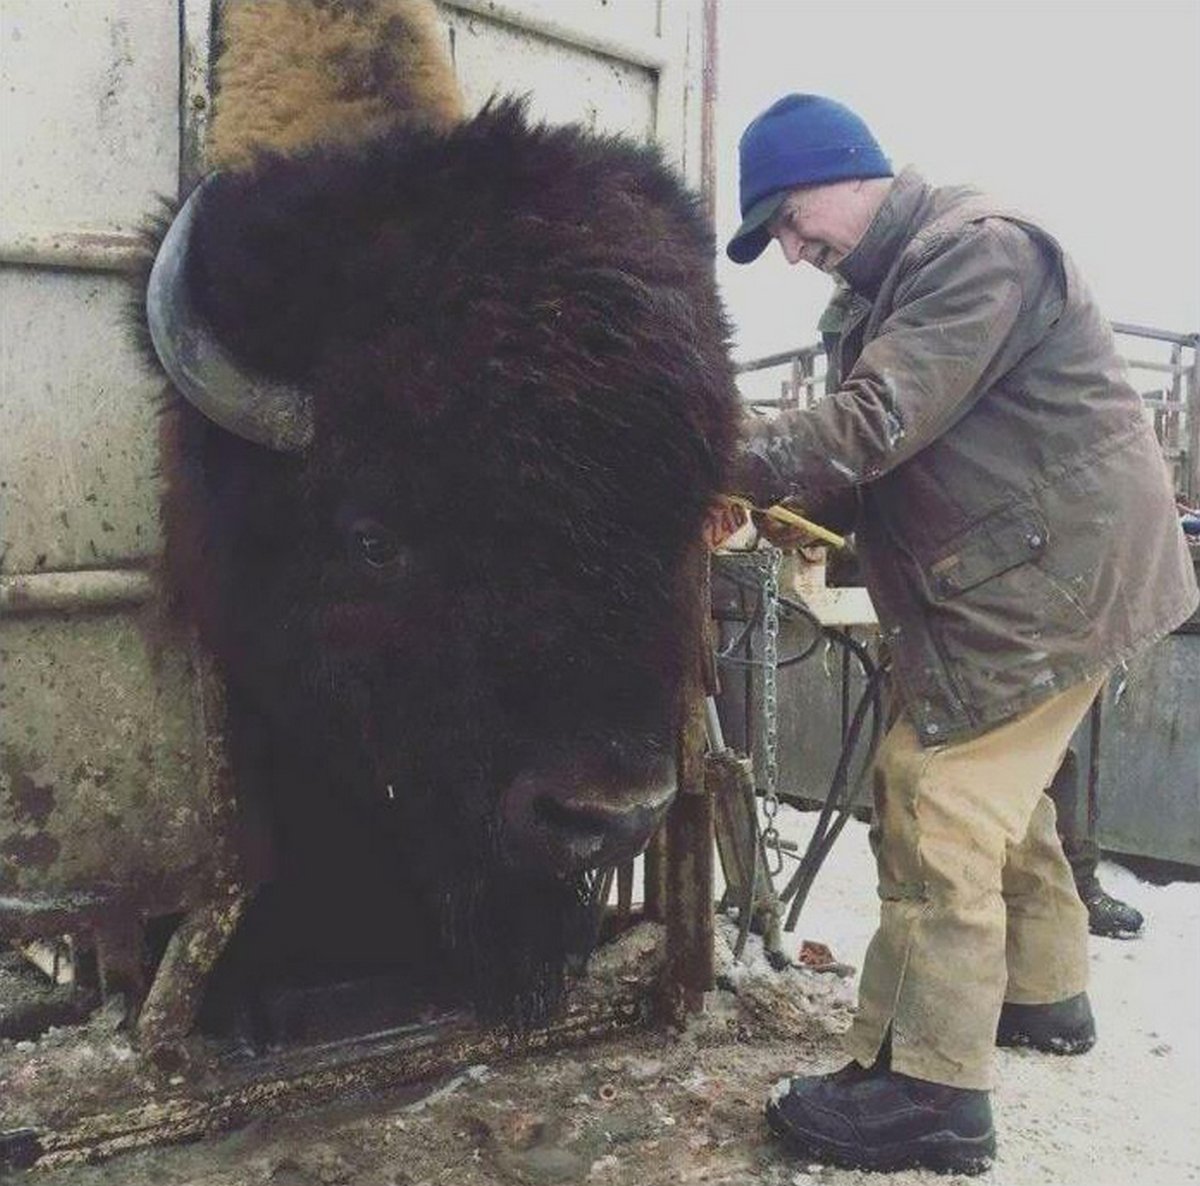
{"type": "Point", "coordinates": [1001, 541]}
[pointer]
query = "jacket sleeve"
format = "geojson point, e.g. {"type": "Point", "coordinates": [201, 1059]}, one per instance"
{"type": "Point", "coordinates": [966, 311]}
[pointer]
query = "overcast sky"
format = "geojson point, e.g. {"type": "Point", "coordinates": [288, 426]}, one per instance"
{"type": "Point", "coordinates": [1085, 114]}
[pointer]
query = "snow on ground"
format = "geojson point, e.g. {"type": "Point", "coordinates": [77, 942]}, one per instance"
{"type": "Point", "coordinates": [1126, 1113]}
{"type": "Point", "coordinates": [664, 1108]}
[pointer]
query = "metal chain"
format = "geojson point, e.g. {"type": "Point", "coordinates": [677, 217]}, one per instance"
{"type": "Point", "coordinates": [764, 564]}
{"type": "Point", "coordinates": [773, 558]}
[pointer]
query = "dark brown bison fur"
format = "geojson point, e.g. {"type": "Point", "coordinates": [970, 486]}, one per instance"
{"type": "Point", "coordinates": [523, 408]}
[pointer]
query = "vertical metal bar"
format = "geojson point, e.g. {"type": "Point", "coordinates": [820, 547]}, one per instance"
{"type": "Point", "coordinates": [241, 863]}
{"type": "Point", "coordinates": [689, 874]}
{"type": "Point", "coordinates": [1093, 780]}
{"type": "Point", "coordinates": [1172, 440]}
{"type": "Point", "coordinates": [624, 894]}
{"type": "Point", "coordinates": [846, 689]}
{"type": "Point", "coordinates": [196, 20]}
{"type": "Point", "coordinates": [793, 386]}
{"type": "Point", "coordinates": [708, 112]}
{"type": "Point", "coordinates": [1191, 475]}
{"type": "Point", "coordinates": [807, 367]}
{"type": "Point", "coordinates": [654, 876]}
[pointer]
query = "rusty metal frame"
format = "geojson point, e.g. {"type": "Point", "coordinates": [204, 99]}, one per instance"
{"type": "Point", "coordinates": [275, 1085]}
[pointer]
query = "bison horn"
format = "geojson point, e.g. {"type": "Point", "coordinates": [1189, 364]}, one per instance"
{"type": "Point", "coordinates": [251, 406]}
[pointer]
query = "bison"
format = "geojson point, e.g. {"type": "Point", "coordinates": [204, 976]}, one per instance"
{"type": "Point", "coordinates": [457, 397]}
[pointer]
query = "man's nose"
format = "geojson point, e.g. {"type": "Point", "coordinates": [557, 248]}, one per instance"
{"type": "Point", "coordinates": [791, 248]}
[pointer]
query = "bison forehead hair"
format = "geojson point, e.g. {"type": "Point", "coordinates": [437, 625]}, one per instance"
{"type": "Point", "coordinates": [460, 612]}
{"type": "Point", "coordinates": [441, 293]}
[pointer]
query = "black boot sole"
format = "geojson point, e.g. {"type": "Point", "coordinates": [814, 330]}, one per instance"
{"type": "Point", "coordinates": [942, 1152]}
{"type": "Point", "coordinates": [1064, 1044]}
{"type": "Point", "coordinates": [1122, 933]}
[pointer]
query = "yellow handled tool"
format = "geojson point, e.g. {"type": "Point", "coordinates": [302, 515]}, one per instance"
{"type": "Point", "coordinates": [782, 514]}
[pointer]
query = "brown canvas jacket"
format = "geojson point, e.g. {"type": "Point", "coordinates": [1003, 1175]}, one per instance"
{"type": "Point", "coordinates": [1017, 529]}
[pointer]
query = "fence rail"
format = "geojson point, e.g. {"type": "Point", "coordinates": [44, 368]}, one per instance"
{"type": "Point", "coordinates": [1173, 404]}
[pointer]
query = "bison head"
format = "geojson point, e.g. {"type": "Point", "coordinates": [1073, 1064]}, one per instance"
{"type": "Point", "coordinates": [465, 400]}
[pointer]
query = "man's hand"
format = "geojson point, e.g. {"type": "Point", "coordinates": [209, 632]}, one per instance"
{"type": "Point", "coordinates": [784, 526]}
{"type": "Point", "coordinates": [782, 533]}
{"type": "Point", "coordinates": [781, 524]}
{"type": "Point", "coordinates": [723, 520]}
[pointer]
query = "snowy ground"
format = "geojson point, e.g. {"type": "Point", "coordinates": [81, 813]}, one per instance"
{"type": "Point", "coordinates": [653, 1109]}
{"type": "Point", "coordinates": [1128, 1112]}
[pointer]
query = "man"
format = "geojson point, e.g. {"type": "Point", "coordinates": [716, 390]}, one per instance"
{"type": "Point", "coordinates": [1018, 539]}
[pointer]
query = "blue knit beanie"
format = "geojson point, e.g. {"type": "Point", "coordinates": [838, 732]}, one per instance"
{"type": "Point", "coordinates": [798, 140]}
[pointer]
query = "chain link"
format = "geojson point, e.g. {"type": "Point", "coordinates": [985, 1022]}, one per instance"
{"type": "Point", "coordinates": [765, 563]}
{"type": "Point", "coordinates": [770, 706]}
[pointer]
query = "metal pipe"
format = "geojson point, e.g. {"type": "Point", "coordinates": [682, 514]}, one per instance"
{"type": "Point", "coordinates": [712, 724]}
{"type": "Point", "coordinates": [66, 592]}
{"type": "Point", "coordinates": [1166, 368]}
{"type": "Point", "coordinates": [1192, 474]}
{"type": "Point", "coordinates": [196, 20]}
{"type": "Point", "coordinates": [708, 112]}
{"type": "Point", "coordinates": [774, 360]}
{"type": "Point", "coordinates": [690, 969]}
{"type": "Point", "coordinates": [1158, 335]}
{"type": "Point", "coordinates": [1139, 331]}
{"type": "Point", "coordinates": [654, 877]}
{"type": "Point", "coordinates": [76, 250]}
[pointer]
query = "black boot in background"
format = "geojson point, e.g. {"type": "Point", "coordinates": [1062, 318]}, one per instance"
{"type": "Point", "coordinates": [1109, 917]}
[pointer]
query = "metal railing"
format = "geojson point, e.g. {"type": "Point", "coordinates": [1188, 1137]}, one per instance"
{"type": "Point", "coordinates": [1174, 404]}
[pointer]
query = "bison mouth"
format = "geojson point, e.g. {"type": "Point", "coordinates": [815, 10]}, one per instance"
{"type": "Point", "coordinates": [519, 919]}
{"type": "Point", "coordinates": [598, 809]}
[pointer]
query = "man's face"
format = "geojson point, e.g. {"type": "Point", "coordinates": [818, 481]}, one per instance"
{"type": "Point", "coordinates": [819, 224]}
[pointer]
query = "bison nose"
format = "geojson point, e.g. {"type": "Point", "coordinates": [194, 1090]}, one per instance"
{"type": "Point", "coordinates": [564, 820]}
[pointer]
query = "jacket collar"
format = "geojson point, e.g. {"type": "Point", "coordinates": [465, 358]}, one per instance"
{"type": "Point", "coordinates": [872, 257]}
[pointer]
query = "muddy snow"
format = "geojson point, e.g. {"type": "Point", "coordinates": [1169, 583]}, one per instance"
{"type": "Point", "coordinates": [686, 1107]}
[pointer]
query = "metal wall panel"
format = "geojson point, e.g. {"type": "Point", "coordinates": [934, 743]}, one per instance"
{"type": "Point", "coordinates": [628, 66]}
{"type": "Point", "coordinates": [105, 795]}
{"type": "Point", "coordinates": [564, 82]}
{"type": "Point", "coordinates": [90, 129]}
{"type": "Point", "coordinates": [1149, 775]}
{"type": "Point", "coordinates": [78, 431]}
{"type": "Point", "coordinates": [99, 735]}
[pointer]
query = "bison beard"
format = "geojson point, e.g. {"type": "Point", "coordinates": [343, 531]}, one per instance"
{"type": "Point", "coordinates": [455, 624]}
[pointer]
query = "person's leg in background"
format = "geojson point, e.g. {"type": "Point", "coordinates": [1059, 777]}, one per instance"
{"type": "Point", "coordinates": [1045, 1005]}
{"type": "Point", "coordinates": [1108, 917]}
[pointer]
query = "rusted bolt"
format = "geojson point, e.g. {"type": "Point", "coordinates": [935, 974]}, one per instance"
{"type": "Point", "coordinates": [607, 1092]}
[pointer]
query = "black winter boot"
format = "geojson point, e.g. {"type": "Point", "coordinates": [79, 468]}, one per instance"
{"type": "Point", "coordinates": [1064, 1027]}
{"type": "Point", "coordinates": [1110, 918]}
{"type": "Point", "coordinates": [878, 1119]}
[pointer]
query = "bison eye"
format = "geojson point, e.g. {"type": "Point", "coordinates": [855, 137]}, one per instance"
{"type": "Point", "coordinates": [376, 546]}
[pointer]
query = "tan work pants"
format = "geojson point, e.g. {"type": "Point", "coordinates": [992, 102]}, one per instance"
{"type": "Point", "coordinates": [978, 902]}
